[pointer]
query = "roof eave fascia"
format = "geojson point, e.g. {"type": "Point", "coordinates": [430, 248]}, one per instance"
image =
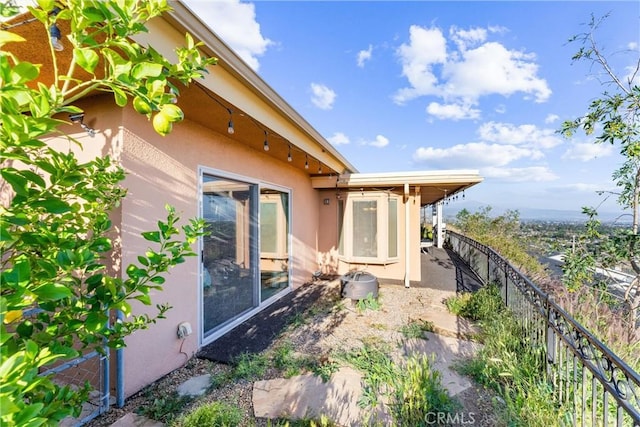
{"type": "Point", "coordinates": [357, 180]}
{"type": "Point", "coordinates": [182, 18]}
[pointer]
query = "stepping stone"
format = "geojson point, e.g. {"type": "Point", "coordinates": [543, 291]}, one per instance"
{"type": "Point", "coordinates": [446, 351]}
{"type": "Point", "coordinates": [308, 396]}
{"type": "Point", "coordinates": [196, 386]}
{"type": "Point", "coordinates": [135, 420]}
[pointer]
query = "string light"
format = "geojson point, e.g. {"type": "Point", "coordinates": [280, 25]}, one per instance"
{"type": "Point", "coordinates": [230, 128]}
{"type": "Point", "coordinates": [265, 146]}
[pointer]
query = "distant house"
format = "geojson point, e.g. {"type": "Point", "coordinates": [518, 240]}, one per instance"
{"type": "Point", "coordinates": [275, 216]}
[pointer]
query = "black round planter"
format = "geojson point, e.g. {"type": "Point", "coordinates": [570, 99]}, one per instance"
{"type": "Point", "coordinates": [358, 285]}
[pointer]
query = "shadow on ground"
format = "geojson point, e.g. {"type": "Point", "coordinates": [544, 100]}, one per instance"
{"type": "Point", "coordinates": [259, 332]}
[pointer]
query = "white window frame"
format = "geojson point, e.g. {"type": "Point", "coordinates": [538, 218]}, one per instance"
{"type": "Point", "coordinates": [382, 224]}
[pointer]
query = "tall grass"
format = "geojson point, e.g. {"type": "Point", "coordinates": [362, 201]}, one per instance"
{"type": "Point", "coordinates": [509, 364]}
{"type": "Point", "coordinates": [410, 391]}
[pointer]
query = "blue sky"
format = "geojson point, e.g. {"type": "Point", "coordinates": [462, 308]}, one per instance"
{"type": "Point", "coordinates": [402, 86]}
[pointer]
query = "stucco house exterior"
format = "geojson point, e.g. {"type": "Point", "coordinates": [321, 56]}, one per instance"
{"type": "Point", "coordinates": [276, 216]}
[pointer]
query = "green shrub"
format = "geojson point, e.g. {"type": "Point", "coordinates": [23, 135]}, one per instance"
{"type": "Point", "coordinates": [250, 366]}
{"type": "Point", "coordinates": [416, 328]}
{"type": "Point", "coordinates": [510, 365]}
{"type": "Point", "coordinates": [165, 408]}
{"type": "Point", "coordinates": [412, 390]}
{"type": "Point", "coordinates": [418, 392]}
{"type": "Point", "coordinates": [368, 303]}
{"type": "Point", "coordinates": [213, 414]}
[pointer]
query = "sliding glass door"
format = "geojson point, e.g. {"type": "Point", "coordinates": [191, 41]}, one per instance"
{"type": "Point", "coordinates": [274, 242]}
{"type": "Point", "coordinates": [229, 251]}
{"type": "Point", "coordinates": [245, 255]}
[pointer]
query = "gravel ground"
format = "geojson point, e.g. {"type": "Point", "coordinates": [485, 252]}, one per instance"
{"type": "Point", "coordinates": [331, 324]}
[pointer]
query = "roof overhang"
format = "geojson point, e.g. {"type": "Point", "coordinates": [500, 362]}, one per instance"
{"type": "Point", "coordinates": [294, 130]}
{"type": "Point", "coordinates": [431, 186]}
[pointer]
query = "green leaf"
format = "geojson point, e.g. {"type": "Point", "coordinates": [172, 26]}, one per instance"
{"type": "Point", "coordinates": [152, 236]}
{"type": "Point", "coordinates": [9, 37]}
{"type": "Point", "coordinates": [24, 72]}
{"type": "Point", "coordinates": [145, 299]}
{"type": "Point", "coordinates": [48, 267]}
{"type": "Point", "coordinates": [120, 96]}
{"type": "Point", "coordinates": [52, 205]}
{"type": "Point", "coordinates": [86, 58]}
{"type": "Point", "coordinates": [95, 321]}
{"type": "Point", "coordinates": [16, 180]}
{"type": "Point", "coordinates": [52, 292]}
{"type": "Point", "coordinates": [159, 280]}
{"type": "Point", "coordinates": [33, 177]}
{"type": "Point", "coordinates": [146, 69]}
{"type": "Point", "coordinates": [93, 14]}
{"type": "Point", "coordinates": [5, 235]}
{"type": "Point", "coordinates": [19, 274]}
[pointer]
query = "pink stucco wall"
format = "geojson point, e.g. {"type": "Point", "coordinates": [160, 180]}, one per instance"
{"type": "Point", "coordinates": [331, 262]}
{"type": "Point", "coordinates": [164, 170]}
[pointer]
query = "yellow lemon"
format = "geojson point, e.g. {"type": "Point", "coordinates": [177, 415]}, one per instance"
{"type": "Point", "coordinates": [12, 315]}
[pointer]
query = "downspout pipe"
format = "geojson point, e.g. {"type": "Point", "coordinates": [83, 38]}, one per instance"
{"type": "Point", "coordinates": [120, 369]}
{"type": "Point", "coordinates": [407, 238]}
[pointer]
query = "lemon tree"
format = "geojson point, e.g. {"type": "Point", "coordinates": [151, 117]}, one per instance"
{"type": "Point", "coordinates": [56, 291]}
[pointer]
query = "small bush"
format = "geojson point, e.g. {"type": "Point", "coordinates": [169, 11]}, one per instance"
{"type": "Point", "coordinates": [368, 303]}
{"type": "Point", "coordinates": [285, 360]}
{"type": "Point", "coordinates": [456, 304]}
{"type": "Point", "coordinates": [416, 328]}
{"type": "Point", "coordinates": [478, 306]}
{"type": "Point", "coordinates": [250, 366]}
{"type": "Point", "coordinates": [165, 409]}
{"type": "Point", "coordinates": [214, 414]}
{"type": "Point", "coordinates": [418, 392]}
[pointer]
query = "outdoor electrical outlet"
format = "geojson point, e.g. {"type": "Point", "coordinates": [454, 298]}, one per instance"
{"type": "Point", "coordinates": [184, 330]}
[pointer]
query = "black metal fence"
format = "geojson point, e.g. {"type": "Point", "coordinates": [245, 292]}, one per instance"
{"type": "Point", "coordinates": [586, 377]}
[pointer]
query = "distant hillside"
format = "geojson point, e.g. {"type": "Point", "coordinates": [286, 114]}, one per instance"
{"type": "Point", "coordinates": [530, 214]}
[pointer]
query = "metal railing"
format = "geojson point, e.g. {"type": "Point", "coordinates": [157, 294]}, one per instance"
{"type": "Point", "coordinates": [585, 375]}
{"type": "Point", "coordinates": [91, 367]}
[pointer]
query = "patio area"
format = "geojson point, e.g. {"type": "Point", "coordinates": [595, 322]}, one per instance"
{"type": "Point", "coordinates": [327, 323]}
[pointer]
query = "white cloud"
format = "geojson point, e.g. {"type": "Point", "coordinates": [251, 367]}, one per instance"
{"type": "Point", "coordinates": [474, 155]}
{"type": "Point", "coordinates": [528, 174]}
{"type": "Point", "coordinates": [527, 135]}
{"type": "Point", "coordinates": [323, 97]}
{"type": "Point", "coordinates": [339, 138]}
{"type": "Point", "coordinates": [426, 48]}
{"type": "Point", "coordinates": [364, 55]}
{"type": "Point", "coordinates": [501, 109]}
{"type": "Point", "coordinates": [476, 68]}
{"type": "Point", "coordinates": [633, 46]}
{"type": "Point", "coordinates": [453, 111]}
{"type": "Point", "coordinates": [236, 24]}
{"type": "Point", "coordinates": [551, 118]}
{"type": "Point", "coordinates": [581, 187]}
{"type": "Point", "coordinates": [493, 69]}
{"type": "Point", "coordinates": [464, 38]}
{"type": "Point", "coordinates": [380, 141]}
{"type": "Point", "coordinates": [586, 151]}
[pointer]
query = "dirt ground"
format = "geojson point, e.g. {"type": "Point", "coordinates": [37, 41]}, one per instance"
{"type": "Point", "coordinates": [331, 324]}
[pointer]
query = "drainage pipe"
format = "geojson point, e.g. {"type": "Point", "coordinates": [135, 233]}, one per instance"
{"type": "Point", "coordinates": [120, 369]}
{"type": "Point", "coordinates": [407, 238]}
